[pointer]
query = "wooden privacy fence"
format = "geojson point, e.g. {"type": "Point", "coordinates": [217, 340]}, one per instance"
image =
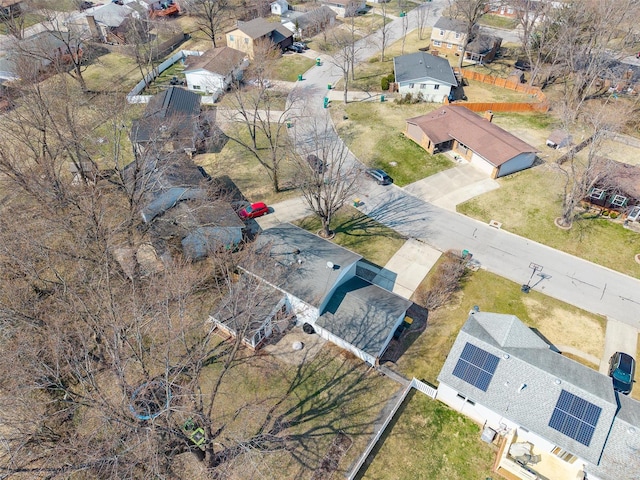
{"type": "Point", "coordinates": [540, 105]}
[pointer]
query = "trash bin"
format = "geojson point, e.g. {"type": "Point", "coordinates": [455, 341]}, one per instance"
{"type": "Point", "coordinates": [300, 77]}
{"type": "Point", "coordinates": [403, 14]}
{"type": "Point", "coordinates": [382, 98]}
{"type": "Point", "coordinates": [326, 102]}
{"type": "Point", "coordinates": [329, 87]}
{"type": "Point", "coordinates": [289, 124]}
{"type": "Point", "coordinates": [465, 253]}
{"type": "Point", "coordinates": [318, 63]}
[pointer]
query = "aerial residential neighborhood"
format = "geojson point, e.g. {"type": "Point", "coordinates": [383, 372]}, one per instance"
{"type": "Point", "coordinates": [387, 240]}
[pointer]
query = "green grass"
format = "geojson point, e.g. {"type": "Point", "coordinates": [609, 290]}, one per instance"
{"type": "Point", "coordinates": [428, 440]}
{"type": "Point", "coordinates": [112, 72]}
{"type": "Point", "coordinates": [561, 323]}
{"type": "Point", "coordinates": [289, 66]}
{"type": "Point", "coordinates": [527, 204]}
{"type": "Point", "coordinates": [497, 21]}
{"type": "Point", "coordinates": [361, 234]}
{"type": "Point", "coordinates": [161, 82]}
{"type": "Point", "coordinates": [373, 131]}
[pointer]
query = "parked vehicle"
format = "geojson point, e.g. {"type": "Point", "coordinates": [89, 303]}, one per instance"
{"type": "Point", "coordinates": [316, 164]}
{"type": "Point", "coordinates": [295, 48]}
{"type": "Point", "coordinates": [254, 210]}
{"type": "Point", "coordinates": [260, 82]}
{"type": "Point", "coordinates": [301, 45]}
{"type": "Point", "coordinates": [622, 368]}
{"type": "Point", "coordinates": [380, 176]}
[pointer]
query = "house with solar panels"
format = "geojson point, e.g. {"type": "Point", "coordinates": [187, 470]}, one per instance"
{"type": "Point", "coordinates": [553, 417]}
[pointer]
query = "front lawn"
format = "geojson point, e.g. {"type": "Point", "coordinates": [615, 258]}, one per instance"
{"type": "Point", "coordinates": [561, 323]}
{"type": "Point", "coordinates": [361, 234]}
{"type": "Point", "coordinates": [290, 65]}
{"type": "Point", "coordinates": [429, 441]}
{"type": "Point", "coordinates": [496, 21]}
{"type": "Point", "coordinates": [527, 204]}
{"type": "Point", "coordinates": [373, 132]}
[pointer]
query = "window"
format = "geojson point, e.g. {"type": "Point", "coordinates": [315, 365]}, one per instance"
{"type": "Point", "coordinates": [436, 87]}
{"type": "Point", "coordinates": [246, 40]}
{"type": "Point", "coordinates": [449, 45]}
{"type": "Point", "coordinates": [411, 85]}
{"type": "Point", "coordinates": [197, 87]}
{"type": "Point", "coordinates": [231, 38]}
{"type": "Point", "coordinates": [437, 43]}
{"type": "Point", "coordinates": [458, 34]}
{"type": "Point", "coordinates": [596, 194]}
{"type": "Point", "coordinates": [459, 48]}
{"type": "Point", "coordinates": [423, 86]}
{"type": "Point", "coordinates": [619, 201]}
{"type": "Point", "coordinates": [442, 33]}
{"type": "Point", "coordinates": [468, 400]}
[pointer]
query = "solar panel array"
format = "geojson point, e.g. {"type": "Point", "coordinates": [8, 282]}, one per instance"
{"type": "Point", "coordinates": [575, 417]}
{"type": "Point", "coordinates": [476, 366]}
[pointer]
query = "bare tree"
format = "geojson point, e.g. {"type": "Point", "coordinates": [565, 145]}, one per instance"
{"type": "Point", "coordinates": [263, 130]}
{"type": "Point", "coordinates": [326, 175]}
{"type": "Point", "coordinates": [384, 31]}
{"type": "Point", "coordinates": [211, 16]}
{"type": "Point", "coordinates": [469, 12]}
{"type": "Point", "coordinates": [343, 57]}
{"type": "Point", "coordinates": [422, 15]}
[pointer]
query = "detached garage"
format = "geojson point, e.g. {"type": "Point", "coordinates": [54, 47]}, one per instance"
{"type": "Point", "coordinates": [474, 138]}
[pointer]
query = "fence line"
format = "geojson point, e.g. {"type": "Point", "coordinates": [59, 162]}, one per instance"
{"type": "Point", "coordinates": [415, 383]}
{"type": "Point", "coordinates": [134, 95]}
{"type": "Point", "coordinates": [505, 106]}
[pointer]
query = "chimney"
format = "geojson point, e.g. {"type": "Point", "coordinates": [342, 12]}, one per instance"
{"type": "Point", "coordinates": [488, 115]}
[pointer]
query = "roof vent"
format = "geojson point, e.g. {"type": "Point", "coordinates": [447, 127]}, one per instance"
{"type": "Point", "coordinates": [558, 382]}
{"type": "Point", "coordinates": [506, 356]}
{"type": "Point", "coordinates": [330, 265]}
{"type": "Point", "coordinates": [522, 387]}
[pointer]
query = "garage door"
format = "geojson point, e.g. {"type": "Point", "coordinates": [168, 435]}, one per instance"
{"type": "Point", "coordinates": [481, 164]}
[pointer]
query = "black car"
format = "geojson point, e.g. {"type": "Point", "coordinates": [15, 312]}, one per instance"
{"type": "Point", "coordinates": [295, 48]}
{"type": "Point", "coordinates": [316, 164]}
{"type": "Point", "coordinates": [301, 45]}
{"type": "Point", "coordinates": [622, 368]}
{"type": "Point", "coordinates": [380, 176]}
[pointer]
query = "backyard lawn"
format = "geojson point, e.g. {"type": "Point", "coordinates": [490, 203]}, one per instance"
{"type": "Point", "coordinates": [561, 323]}
{"type": "Point", "coordinates": [309, 404]}
{"type": "Point", "coordinates": [373, 132]}
{"type": "Point", "coordinates": [527, 204]}
{"type": "Point", "coordinates": [112, 72]}
{"type": "Point", "coordinates": [429, 441]}
{"type": "Point", "coordinates": [361, 234]}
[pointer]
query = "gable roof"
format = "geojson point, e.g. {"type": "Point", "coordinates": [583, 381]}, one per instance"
{"type": "Point", "coordinates": [528, 380]}
{"type": "Point", "coordinates": [296, 262]}
{"type": "Point", "coordinates": [112, 14]}
{"type": "Point", "coordinates": [451, 24]}
{"type": "Point", "coordinates": [363, 314]}
{"type": "Point", "coordinates": [483, 43]}
{"type": "Point", "coordinates": [176, 105]}
{"type": "Point", "coordinates": [221, 60]}
{"type": "Point", "coordinates": [421, 65]}
{"type": "Point", "coordinates": [488, 140]}
{"type": "Point", "coordinates": [311, 17]}
{"type": "Point", "coordinates": [260, 27]}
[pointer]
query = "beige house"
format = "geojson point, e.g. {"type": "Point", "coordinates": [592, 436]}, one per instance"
{"type": "Point", "coordinates": [248, 34]}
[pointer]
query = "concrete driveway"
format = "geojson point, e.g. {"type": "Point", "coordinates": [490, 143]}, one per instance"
{"type": "Point", "coordinates": [453, 186]}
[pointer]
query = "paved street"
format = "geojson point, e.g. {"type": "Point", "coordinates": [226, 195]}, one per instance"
{"type": "Point", "coordinates": [565, 277]}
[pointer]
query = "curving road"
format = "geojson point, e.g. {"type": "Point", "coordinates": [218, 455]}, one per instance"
{"type": "Point", "coordinates": [565, 277]}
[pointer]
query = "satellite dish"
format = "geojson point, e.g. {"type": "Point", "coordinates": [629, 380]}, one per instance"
{"type": "Point", "coordinates": [330, 265]}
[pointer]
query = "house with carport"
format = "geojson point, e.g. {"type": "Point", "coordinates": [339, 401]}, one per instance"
{"type": "Point", "coordinates": [425, 75]}
{"type": "Point", "coordinates": [326, 289]}
{"type": "Point", "coordinates": [473, 138]}
{"type": "Point", "coordinates": [214, 70]}
{"type": "Point", "coordinates": [551, 416]}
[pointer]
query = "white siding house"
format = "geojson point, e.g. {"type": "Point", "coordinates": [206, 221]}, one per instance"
{"type": "Point", "coordinates": [423, 75]}
{"type": "Point", "coordinates": [279, 7]}
{"type": "Point", "coordinates": [215, 70]}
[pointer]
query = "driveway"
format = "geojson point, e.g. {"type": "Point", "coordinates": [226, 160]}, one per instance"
{"type": "Point", "coordinates": [453, 186]}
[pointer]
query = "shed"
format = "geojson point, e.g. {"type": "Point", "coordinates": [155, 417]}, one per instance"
{"type": "Point", "coordinates": [278, 7]}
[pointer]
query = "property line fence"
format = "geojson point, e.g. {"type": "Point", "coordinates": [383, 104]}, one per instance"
{"type": "Point", "coordinates": [134, 95]}
{"type": "Point", "coordinates": [415, 383]}
{"type": "Point", "coordinates": [541, 105]}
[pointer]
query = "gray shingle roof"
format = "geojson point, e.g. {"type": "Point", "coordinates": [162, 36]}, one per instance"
{"type": "Point", "coordinates": [451, 24]}
{"type": "Point", "coordinates": [259, 27]}
{"type": "Point", "coordinates": [423, 66]}
{"type": "Point", "coordinates": [525, 359]}
{"type": "Point", "coordinates": [297, 262]}
{"type": "Point", "coordinates": [222, 60]}
{"type": "Point", "coordinates": [363, 314]}
{"type": "Point", "coordinates": [112, 14]}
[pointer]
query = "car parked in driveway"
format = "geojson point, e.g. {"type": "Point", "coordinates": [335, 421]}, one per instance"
{"type": "Point", "coordinates": [622, 368]}
{"type": "Point", "coordinates": [295, 48]}
{"type": "Point", "coordinates": [316, 164]}
{"type": "Point", "coordinates": [380, 176]}
{"type": "Point", "coordinates": [254, 210]}
{"type": "Point", "coordinates": [301, 45]}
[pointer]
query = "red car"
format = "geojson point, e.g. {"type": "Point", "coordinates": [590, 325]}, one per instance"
{"type": "Point", "coordinates": [254, 210]}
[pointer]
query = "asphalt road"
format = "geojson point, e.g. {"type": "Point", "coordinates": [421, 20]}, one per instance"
{"type": "Point", "coordinates": [565, 277]}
